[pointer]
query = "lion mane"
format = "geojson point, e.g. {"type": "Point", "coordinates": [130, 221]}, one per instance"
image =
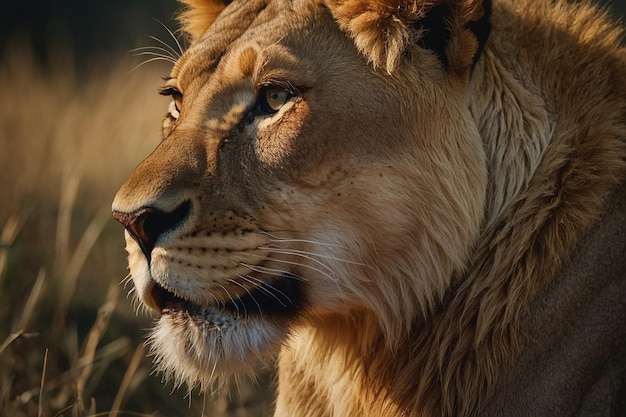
{"type": "Point", "coordinates": [419, 206]}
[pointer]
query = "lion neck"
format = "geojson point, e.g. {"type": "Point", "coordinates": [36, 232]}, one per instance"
{"type": "Point", "coordinates": [348, 365]}
{"type": "Point", "coordinates": [516, 128]}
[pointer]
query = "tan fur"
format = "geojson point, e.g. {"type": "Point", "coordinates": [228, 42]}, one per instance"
{"type": "Point", "coordinates": [381, 29]}
{"type": "Point", "coordinates": [199, 15]}
{"type": "Point", "coordinates": [426, 214]}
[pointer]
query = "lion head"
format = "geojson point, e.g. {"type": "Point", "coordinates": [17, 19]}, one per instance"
{"type": "Point", "coordinates": [327, 175]}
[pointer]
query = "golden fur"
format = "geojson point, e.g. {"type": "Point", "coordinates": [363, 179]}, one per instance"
{"type": "Point", "coordinates": [400, 197]}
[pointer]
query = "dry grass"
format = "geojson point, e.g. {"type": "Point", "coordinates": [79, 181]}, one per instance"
{"type": "Point", "coordinates": [69, 343]}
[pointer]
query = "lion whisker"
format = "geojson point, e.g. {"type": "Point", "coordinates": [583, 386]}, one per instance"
{"type": "Point", "coordinates": [155, 50]}
{"type": "Point", "coordinates": [180, 48]}
{"type": "Point", "coordinates": [156, 54]}
{"type": "Point", "coordinates": [278, 272]}
{"type": "Point", "coordinates": [125, 283]}
{"type": "Point", "coordinates": [136, 305]}
{"type": "Point", "coordinates": [159, 58]}
{"type": "Point", "coordinates": [248, 291]}
{"type": "Point", "coordinates": [261, 287]}
{"type": "Point", "coordinates": [312, 256]}
{"type": "Point", "coordinates": [212, 370]}
{"type": "Point", "coordinates": [232, 299]}
{"type": "Point", "coordinates": [272, 271]}
{"type": "Point", "coordinates": [263, 269]}
{"type": "Point", "coordinates": [302, 254]}
{"type": "Point", "coordinates": [126, 280]}
{"type": "Point", "coordinates": [289, 251]}
{"type": "Point", "coordinates": [217, 302]}
{"type": "Point", "coordinates": [170, 50]}
{"type": "Point", "coordinates": [330, 274]}
{"type": "Point", "coordinates": [286, 239]}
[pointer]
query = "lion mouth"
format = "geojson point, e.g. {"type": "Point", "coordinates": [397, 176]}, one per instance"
{"type": "Point", "coordinates": [280, 297]}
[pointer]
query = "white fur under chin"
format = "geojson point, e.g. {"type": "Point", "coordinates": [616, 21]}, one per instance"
{"type": "Point", "coordinates": [199, 350]}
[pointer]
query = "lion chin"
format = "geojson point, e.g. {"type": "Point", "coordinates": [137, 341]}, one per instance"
{"type": "Point", "coordinates": [418, 206]}
{"type": "Point", "coordinates": [198, 346]}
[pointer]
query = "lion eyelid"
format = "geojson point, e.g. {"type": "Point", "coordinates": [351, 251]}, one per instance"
{"type": "Point", "coordinates": [285, 85]}
{"type": "Point", "coordinates": [170, 91]}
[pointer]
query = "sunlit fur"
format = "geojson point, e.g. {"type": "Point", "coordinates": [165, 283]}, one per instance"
{"type": "Point", "coordinates": [425, 212]}
{"type": "Point", "coordinates": [382, 29]}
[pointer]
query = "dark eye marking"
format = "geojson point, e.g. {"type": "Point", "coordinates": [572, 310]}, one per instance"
{"type": "Point", "coordinates": [170, 91]}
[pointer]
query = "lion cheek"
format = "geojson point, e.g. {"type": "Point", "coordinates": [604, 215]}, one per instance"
{"type": "Point", "coordinates": [280, 138]}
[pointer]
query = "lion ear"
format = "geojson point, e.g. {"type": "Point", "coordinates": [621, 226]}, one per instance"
{"type": "Point", "coordinates": [199, 15]}
{"type": "Point", "coordinates": [455, 30]}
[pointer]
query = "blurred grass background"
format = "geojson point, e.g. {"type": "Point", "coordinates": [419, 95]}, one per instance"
{"type": "Point", "coordinates": [75, 118]}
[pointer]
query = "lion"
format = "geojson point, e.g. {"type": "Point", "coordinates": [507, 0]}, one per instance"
{"type": "Point", "coordinates": [417, 206]}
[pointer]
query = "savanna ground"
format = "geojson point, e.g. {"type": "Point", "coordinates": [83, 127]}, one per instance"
{"type": "Point", "coordinates": [71, 338]}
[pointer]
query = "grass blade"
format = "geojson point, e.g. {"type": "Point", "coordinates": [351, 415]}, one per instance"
{"type": "Point", "coordinates": [93, 338]}
{"type": "Point", "coordinates": [9, 233]}
{"type": "Point", "coordinates": [43, 380]}
{"type": "Point", "coordinates": [33, 298]}
{"type": "Point", "coordinates": [130, 372]}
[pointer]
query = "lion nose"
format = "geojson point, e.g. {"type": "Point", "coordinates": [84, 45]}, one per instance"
{"type": "Point", "coordinates": [147, 224]}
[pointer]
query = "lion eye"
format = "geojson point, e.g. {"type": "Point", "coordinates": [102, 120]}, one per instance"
{"type": "Point", "coordinates": [272, 98]}
{"type": "Point", "coordinates": [175, 105]}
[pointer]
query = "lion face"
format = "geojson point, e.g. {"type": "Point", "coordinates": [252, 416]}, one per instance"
{"type": "Point", "coordinates": [295, 184]}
